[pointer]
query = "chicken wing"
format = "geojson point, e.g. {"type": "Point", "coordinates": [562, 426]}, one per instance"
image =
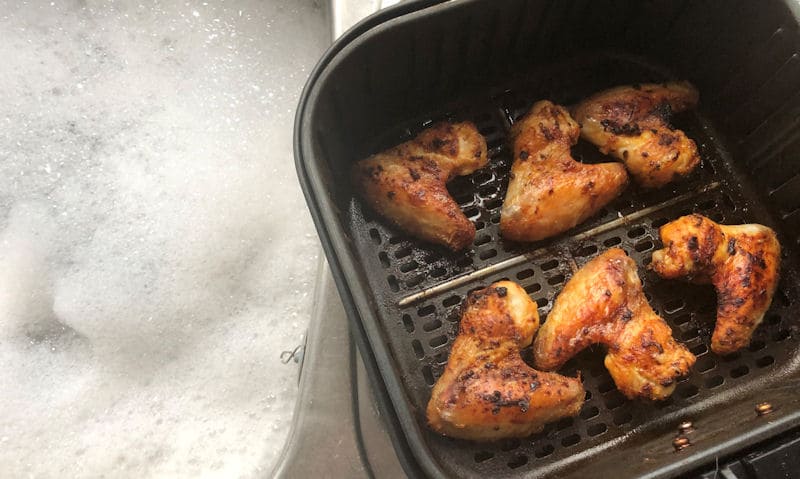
{"type": "Point", "coordinates": [487, 391]}
{"type": "Point", "coordinates": [631, 123]}
{"type": "Point", "coordinates": [604, 303]}
{"type": "Point", "coordinates": [741, 261]}
{"type": "Point", "coordinates": [406, 184]}
{"type": "Point", "coordinates": [549, 192]}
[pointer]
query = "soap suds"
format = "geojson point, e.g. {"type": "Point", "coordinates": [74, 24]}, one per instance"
{"type": "Point", "coordinates": [156, 254]}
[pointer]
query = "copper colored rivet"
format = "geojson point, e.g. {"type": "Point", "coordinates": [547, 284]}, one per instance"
{"type": "Point", "coordinates": [686, 426]}
{"type": "Point", "coordinates": [680, 443]}
{"type": "Point", "coordinates": [763, 409]}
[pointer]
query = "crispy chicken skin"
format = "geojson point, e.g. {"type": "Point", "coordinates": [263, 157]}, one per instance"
{"type": "Point", "coordinates": [741, 261]}
{"type": "Point", "coordinates": [406, 184]}
{"type": "Point", "coordinates": [549, 192]}
{"type": "Point", "coordinates": [631, 124]}
{"type": "Point", "coordinates": [604, 303]}
{"type": "Point", "coordinates": [487, 392]}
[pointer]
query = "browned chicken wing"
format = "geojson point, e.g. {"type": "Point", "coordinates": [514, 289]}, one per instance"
{"type": "Point", "coordinates": [487, 391]}
{"type": "Point", "coordinates": [631, 123]}
{"type": "Point", "coordinates": [406, 184]}
{"type": "Point", "coordinates": [549, 192]}
{"type": "Point", "coordinates": [604, 303]}
{"type": "Point", "coordinates": [741, 261]}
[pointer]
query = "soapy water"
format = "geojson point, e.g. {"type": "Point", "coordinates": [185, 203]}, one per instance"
{"type": "Point", "coordinates": [156, 255]}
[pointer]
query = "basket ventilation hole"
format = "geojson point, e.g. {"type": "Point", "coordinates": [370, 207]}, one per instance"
{"type": "Point", "coordinates": [493, 204]}
{"type": "Point", "coordinates": [688, 390]}
{"type": "Point", "coordinates": [781, 335]}
{"type": "Point", "coordinates": [375, 235]}
{"type": "Point", "coordinates": [740, 371]}
{"type": "Point", "coordinates": [544, 451]}
{"type": "Point", "coordinates": [615, 400]}
{"type": "Point", "coordinates": [384, 259]}
{"type": "Point", "coordinates": [622, 417]}
{"type": "Point", "coordinates": [533, 288]}
{"type": "Point", "coordinates": [699, 349]}
{"type": "Point", "coordinates": [636, 232]}
{"type": "Point", "coordinates": [673, 305]}
{"type": "Point", "coordinates": [482, 456]}
{"type": "Point", "coordinates": [486, 254]}
{"type": "Point", "coordinates": [714, 381]}
{"type": "Point", "coordinates": [427, 373]}
{"type": "Point", "coordinates": [510, 444]}
{"type": "Point", "coordinates": [682, 319]}
{"type": "Point", "coordinates": [417, 347]}
{"type": "Point", "coordinates": [482, 240]}
{"type": "Point", "coordinates": [571, 440]}
{"type": "Point", "coordinates": [431, 325]}
{"type": "Point", "coordinates": [765, 361]}
{"type": "Point", "coordinates": [451, 301]}
{"type": "Point", "coordinates": [643, 246]}
{"type": "Point", "coordinates": [590, 412]}
{"type": "Point", "coordinates": [416, 280]}
{"type": "Point", "coordinates": [410, 266]}
{"type": "Point", "coordinates": [408, 323]}
{"type": "Point", "coordinates": [518, 461]}
{"type": "Point", "coordinates": [596, 429]}
{"type": "Point", "coordinates": [438, 341]}
{"type": "Point", "coordinates": [525, 274]}
{"type": "Point", "coordinates": [611, 242]}
{"type": "Point", "coordinates": [705, 364]}
{"type": "Point", "coordinates": [549, 265]}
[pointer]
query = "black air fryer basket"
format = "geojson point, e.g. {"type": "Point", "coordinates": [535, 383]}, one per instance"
{"type": "Point", "coordinates": [487, 61]}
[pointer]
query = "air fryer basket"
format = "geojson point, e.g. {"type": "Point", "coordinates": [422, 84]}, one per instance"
{"type": "Point", "coordinates": [487, 62]}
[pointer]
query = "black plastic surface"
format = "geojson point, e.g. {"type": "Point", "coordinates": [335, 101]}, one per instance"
{"type": "Point", "coordinates": [487, 62]}
{"type": "Point", "coordinates": [779, 458]}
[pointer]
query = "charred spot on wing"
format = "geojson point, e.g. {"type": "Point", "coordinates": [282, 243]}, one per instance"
{"type": "Point", "coordinates": [501, 291]}
{"type": "Point", "coordinates": [692, 243]}
{"type": "Point", "coordinates": [732, 246]}
{"type": "Point", "coordinates": [550, 134]}
{"type": "Point", "coordinates": [467, 375]}
{"type": "Point", "coordinates": [666, 139]}
{"type": "Point", "coordinates": [627, 315]}
{"type": "Point", "coordinates": [624, 129]}
{"type": "Point", "coordinates": [523, 155]}
{"type": "Point", "coordinates": [663, 110]}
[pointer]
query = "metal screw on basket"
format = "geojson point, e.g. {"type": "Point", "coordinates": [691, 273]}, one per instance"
{"type": "Point", "coordinates": [680, 443]}
{"type": "Point", "coordinates": [763, 409]}
{"type": "Point", "coordinates": [685, 427]}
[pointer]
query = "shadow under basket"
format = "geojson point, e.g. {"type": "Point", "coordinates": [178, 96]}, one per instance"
{"type": "Point", "coordinates": [487, 62]}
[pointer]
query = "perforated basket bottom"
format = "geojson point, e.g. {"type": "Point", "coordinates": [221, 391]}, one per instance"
{"type": "Point", "coordinates": [420, 334]}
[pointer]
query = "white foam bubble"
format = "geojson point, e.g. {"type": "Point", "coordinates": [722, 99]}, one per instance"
{"type": "Point", "coordinates": [156, 255]}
